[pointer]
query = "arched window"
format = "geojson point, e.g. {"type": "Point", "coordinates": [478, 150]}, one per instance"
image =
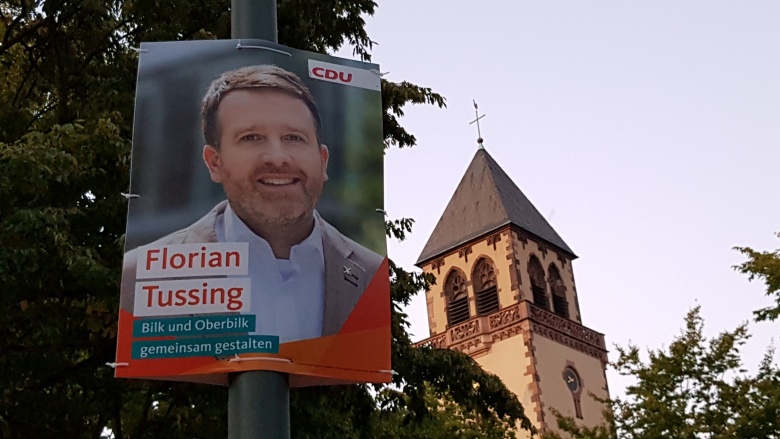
{"type": "Point", "coordinates": [538, 285]}
{"type": "Point", "coordinates": [457, 298]}
{"type": "Point", "coordinates": [485, 289]}
{"type": "Point", "coordinates": [560, 304]}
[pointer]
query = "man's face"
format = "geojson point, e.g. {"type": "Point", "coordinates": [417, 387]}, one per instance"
{"type": "Point", "coordinates": [269, 161]}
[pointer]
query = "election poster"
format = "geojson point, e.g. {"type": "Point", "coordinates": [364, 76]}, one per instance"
{"type": "Point", "coordinates": [255, 229]}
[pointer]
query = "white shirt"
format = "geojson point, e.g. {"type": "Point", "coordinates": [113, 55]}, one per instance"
{"type": "Point", "coordinates": [287, 294]}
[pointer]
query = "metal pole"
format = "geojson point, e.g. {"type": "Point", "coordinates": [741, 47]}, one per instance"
{"type": "Point", "coordinates": [258, 401]}
{"type": "Point", "coordinates": [259, 405]}
{"type": "Point", "coordinates": [253, 19]}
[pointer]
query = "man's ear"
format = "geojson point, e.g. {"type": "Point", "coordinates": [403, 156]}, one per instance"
{"type": "Point", "coordinates": [213, 162]}
{"type": "Point", "coordinates": [324, 158]}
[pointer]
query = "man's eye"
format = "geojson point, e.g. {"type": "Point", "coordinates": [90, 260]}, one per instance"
{"type": "Point", "coordinates": [294, 138]}
{"type": "Point", "coordinates": [251, 137]}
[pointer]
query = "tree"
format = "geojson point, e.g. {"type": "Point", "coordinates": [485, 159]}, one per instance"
{"type": "Point", "coordinates": [446, 421]}
{"type": "Point", "coordinates": [695, 388]}
{"type": "Point", "coordinates": [66, 106]}
{"type": "Point", "coordinates": [764, 266]}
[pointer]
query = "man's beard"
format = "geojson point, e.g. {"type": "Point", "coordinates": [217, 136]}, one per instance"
{"type": "Point", "coordinates": [259, 210]}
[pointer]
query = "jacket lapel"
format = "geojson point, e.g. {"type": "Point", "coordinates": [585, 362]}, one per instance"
{"type": "Point", "coordinates": [205, 229]}
{"type": "Point", "coordinates": [345, 280]}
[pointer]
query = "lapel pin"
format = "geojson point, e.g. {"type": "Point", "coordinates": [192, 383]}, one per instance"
{"type": "Point", "coordinates": [349, 276]}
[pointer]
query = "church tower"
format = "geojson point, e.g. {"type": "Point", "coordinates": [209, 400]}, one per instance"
{"type": "Point", "coordinates": [505, 295]}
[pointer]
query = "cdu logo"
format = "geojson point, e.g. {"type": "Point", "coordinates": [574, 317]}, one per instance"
{"type": "Point", "coordinates": [345, 75]}
{"type": "Point", "coordinates": [320, 72]}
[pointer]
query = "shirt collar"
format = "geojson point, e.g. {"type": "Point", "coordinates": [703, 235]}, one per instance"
{"type": "Point", "coordinates": [237, 231]}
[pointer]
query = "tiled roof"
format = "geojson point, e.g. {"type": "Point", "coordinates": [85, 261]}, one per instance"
{"type": "Point", "coordinates": [485, 200]}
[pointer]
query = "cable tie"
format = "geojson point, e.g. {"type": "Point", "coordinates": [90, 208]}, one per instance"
{"type": "Point", "coordinates": [129, 196]}
{"type": "Point", "coordinates": [391, 372]}
{"type": "Point", "coordinates": [377, 72]}
{"type": "Point", "coordinates": [139, 50]}
{"type": "Point", "coordinates": [382, 211]}
{"type": "Point", "coordinates": [115, 365]}
{"type": "Point", "coordinates": [239, 46]}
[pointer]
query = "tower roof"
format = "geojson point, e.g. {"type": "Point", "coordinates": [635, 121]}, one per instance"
{"type": "Point", "coordinates": [486, 199]}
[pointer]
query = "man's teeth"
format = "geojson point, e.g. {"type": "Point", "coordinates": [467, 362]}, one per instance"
{"type": "Point", "coordinates": [277, 181]}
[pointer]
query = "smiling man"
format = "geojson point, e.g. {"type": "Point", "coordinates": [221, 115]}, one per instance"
{"type": "Point", "coordinates": [264, 145]}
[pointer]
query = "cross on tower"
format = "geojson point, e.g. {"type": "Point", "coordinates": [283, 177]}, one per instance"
{"type": "Point", "coordinates": [479, 133]}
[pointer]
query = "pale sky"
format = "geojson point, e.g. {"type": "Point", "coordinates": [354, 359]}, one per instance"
{"type": "Point", "coordinates": [647, 133]}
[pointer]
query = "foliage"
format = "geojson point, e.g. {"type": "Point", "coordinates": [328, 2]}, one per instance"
{"type": "Point", "coordinates": [764, 266]}
{"type": "Point", "coordinates": [394, 97]}
{"type": "Point", "coordinates": [398, 228]}
{"type": "Point", "coordinates": [66, 106]}
{"type": "Point", "coordinates": [695, 388]}
{"type": "Point", "coordinates": [444, 420]}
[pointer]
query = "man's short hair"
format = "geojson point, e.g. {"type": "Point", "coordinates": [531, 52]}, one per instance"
{"type": "Point", "coordinates": [258, 77]}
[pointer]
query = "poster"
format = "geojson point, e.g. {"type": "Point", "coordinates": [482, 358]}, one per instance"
{"type": "Point", "coordinates": [255, 233]}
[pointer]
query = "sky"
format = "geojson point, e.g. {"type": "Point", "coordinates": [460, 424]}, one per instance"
{"type": "Point", "coordinates": [647, 133]}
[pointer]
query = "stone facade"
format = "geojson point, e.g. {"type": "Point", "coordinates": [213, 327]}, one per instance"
{"type": "Point", "coordinates": [532, 345]}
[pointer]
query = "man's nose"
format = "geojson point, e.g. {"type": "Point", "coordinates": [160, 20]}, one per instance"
{"type": "Point", "coordinates": [276, 154]}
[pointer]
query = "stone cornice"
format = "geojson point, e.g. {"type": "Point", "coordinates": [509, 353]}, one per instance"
{"type": "Point", "coordinates": [476, 335]}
